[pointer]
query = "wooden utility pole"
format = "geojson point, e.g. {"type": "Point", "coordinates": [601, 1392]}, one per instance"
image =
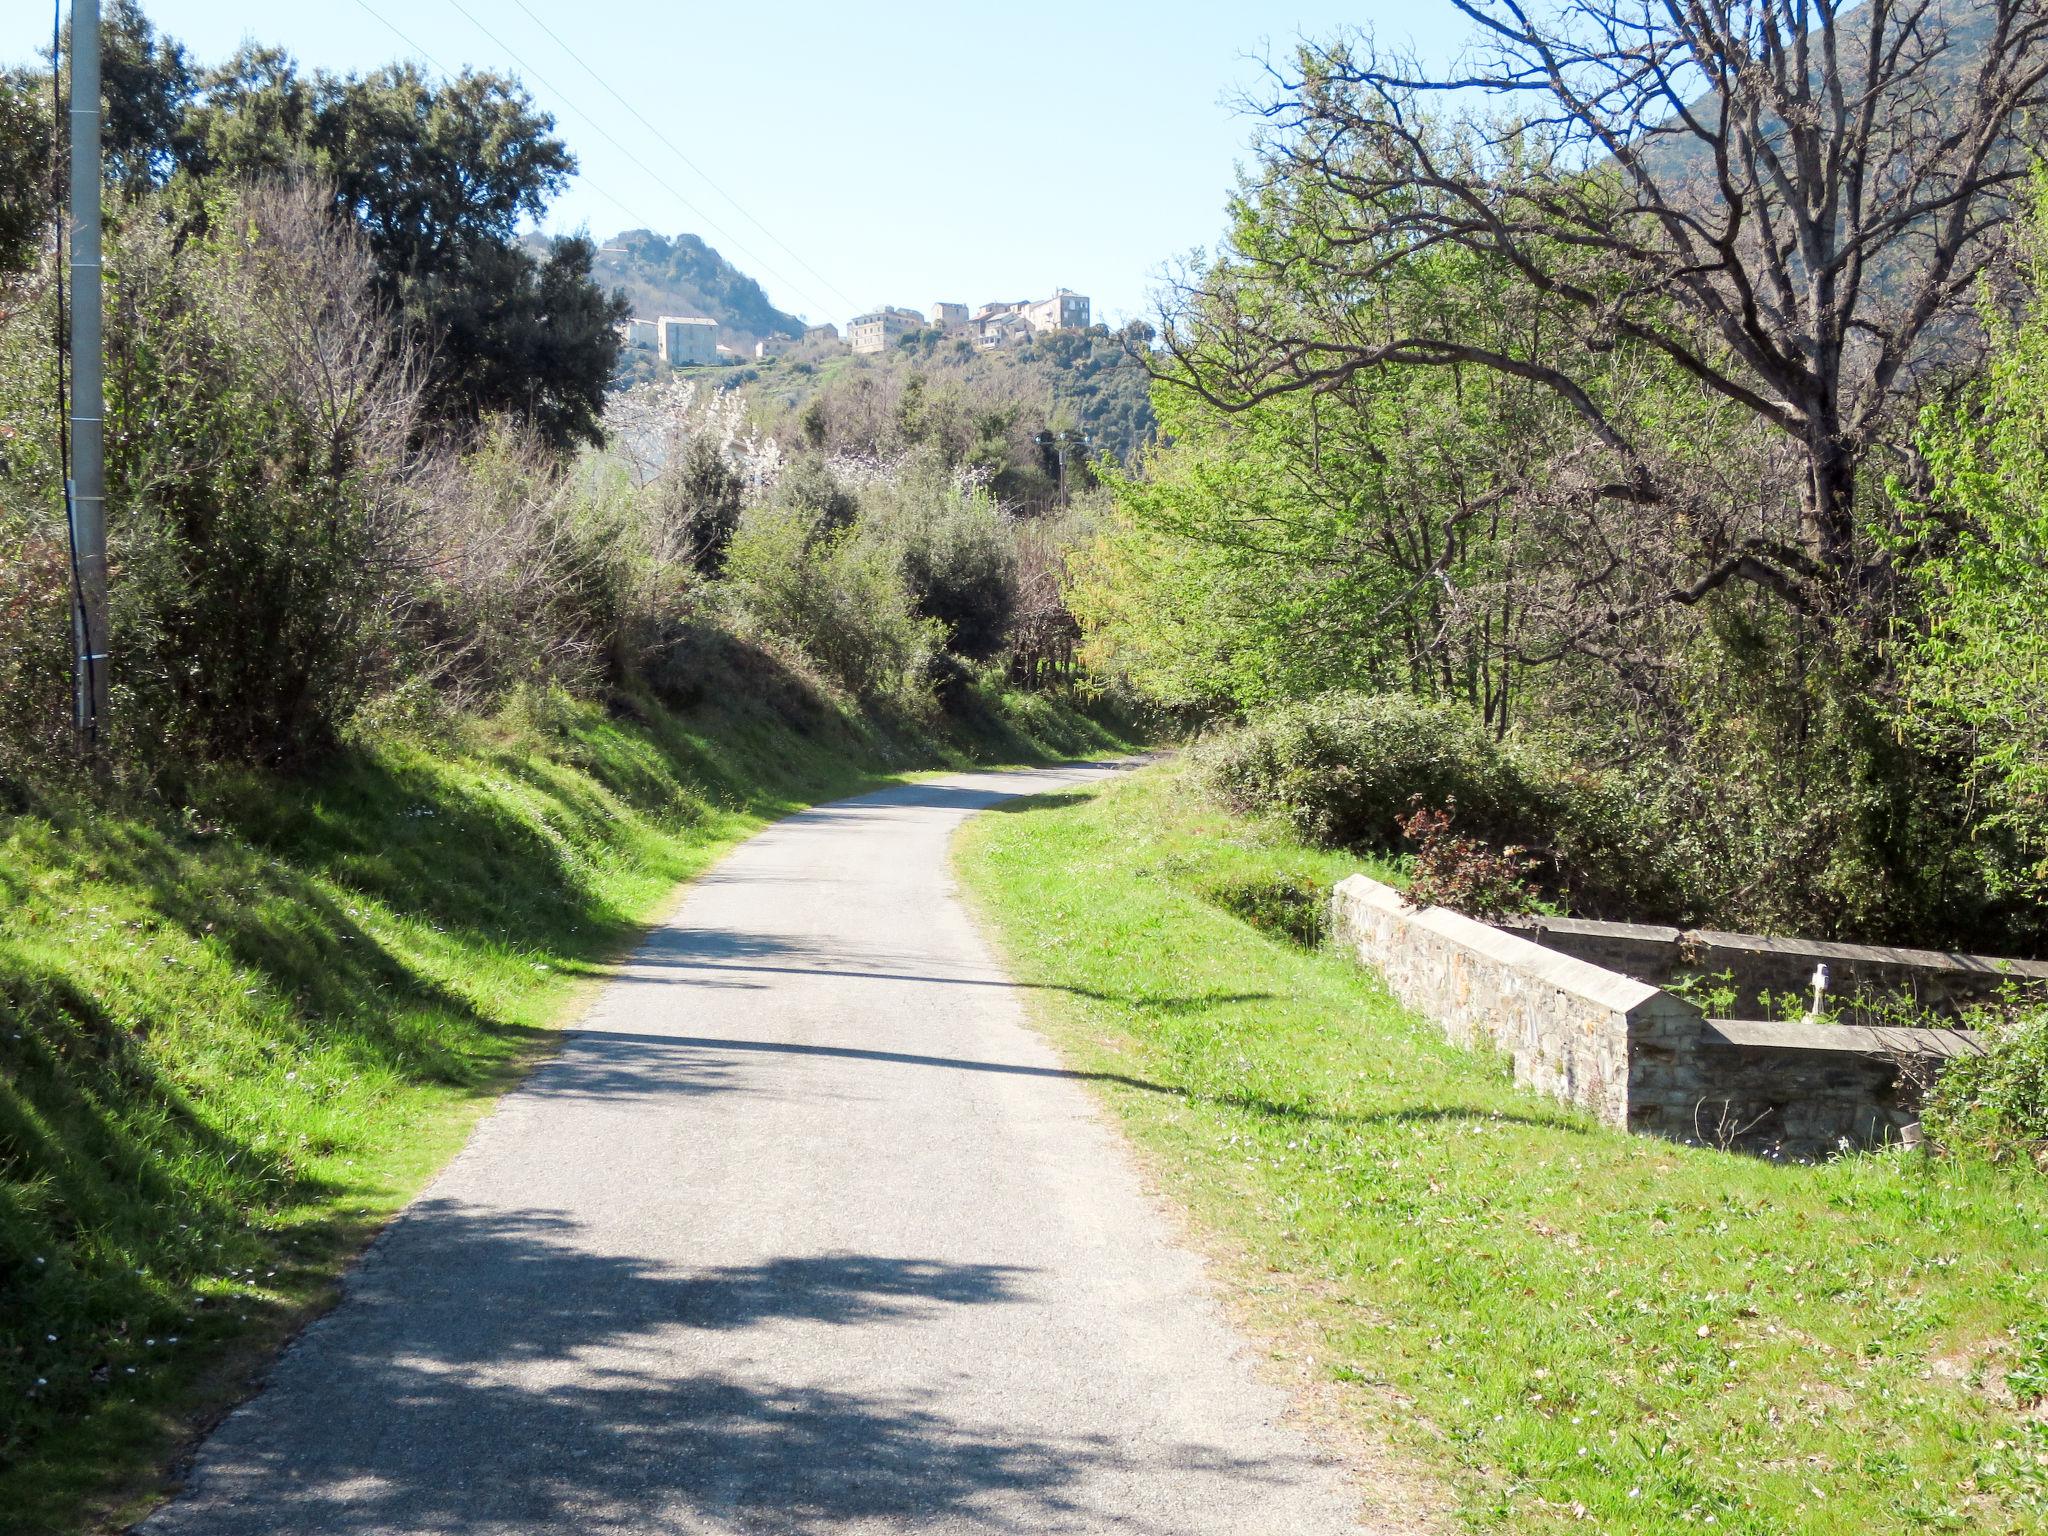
{"type": "Point", "coordinates": [86, 488]}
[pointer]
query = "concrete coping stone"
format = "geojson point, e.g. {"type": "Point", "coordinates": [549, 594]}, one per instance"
{"type": "Point", "coordinates": [1814, 949]}
{"type": "Point", "coordinates": [1874, 954]}
{"type": "Point", "coordinates": [1864, 1039]}
{"type": "Point", "coordinates": [1537, 922]}
{"type": "Point", "coordinates": [1596, 984]}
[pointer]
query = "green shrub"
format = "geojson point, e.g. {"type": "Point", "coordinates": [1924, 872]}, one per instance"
{"type": "Point", "coordinates": [258, 415]}
{"type": "Point", "coordinates": [838, 597]}
{"type": "Point", "coordinates": [1997, 1102]}
{"type": "Point", "coordinates": [955, 548]}
{"type": "Point", "coordinates": [700, 503]}
{"type": "Point", "coordinates": [35, 574]}
{"type": "Point", "coordinates": [808, 484]}
{"type": "Point", "coordinates": [1343, 770]}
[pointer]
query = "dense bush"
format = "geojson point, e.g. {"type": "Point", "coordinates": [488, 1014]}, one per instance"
{"type": "Point", "coordinates": [838, 597]}
{"type": "Point", "coordinates": [1344, 769]}
{"type": "Point", "coordinates": [957, 555]}
{"type": "Point", "coordinates": [1465, 873]}
{"type": "Point", "coordinates": [1835, 832]}
{"type": "Point", "coordinates": [259, 409]}
{"type": "Point", "coordinates": [1997, 1102]}
{"type": "Point", "coordinates": [283, 545]}
{"type": "Point", "coordinates": [700, 504]}
{"type": "Point", "coordinates": [809, 484]}
{"type": "Point", "coordinates": [35, 576]}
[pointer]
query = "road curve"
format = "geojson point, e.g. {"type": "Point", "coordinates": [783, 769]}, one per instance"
{"type": "Point", "coordinates": [804, 1230]}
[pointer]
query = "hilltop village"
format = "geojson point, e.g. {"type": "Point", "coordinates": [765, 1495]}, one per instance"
{"type": "Point", "coordinates": [687, 341]}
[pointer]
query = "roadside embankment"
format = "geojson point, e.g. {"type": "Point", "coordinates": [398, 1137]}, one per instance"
{"type": "Point", "coordinates": [235, 1038]}
{"type": "Point", "coordinates": [1570, 1326]}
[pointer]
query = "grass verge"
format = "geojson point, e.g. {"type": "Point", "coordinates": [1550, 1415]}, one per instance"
{"type": "Point", "coordinates": [1572, 1326]}
{"type": "Point", "coordinates": [234, 1040]}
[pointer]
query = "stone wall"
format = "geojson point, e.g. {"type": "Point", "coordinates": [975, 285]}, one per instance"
{"type": "Point", "coordinates": [1634, 1055]}
{"type": "Point", "coordinates": [1757, 965]}
{"type": "Point", "coordinates": [1800, 1089]}
{"type": "Point", "coordinates": [1566, 1023]}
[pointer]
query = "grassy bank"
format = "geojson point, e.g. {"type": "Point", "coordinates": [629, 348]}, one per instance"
{"type": "Point", "coordinates": [1571, 1326]}
{"type": "Point", "coordinates": [233, 1040]}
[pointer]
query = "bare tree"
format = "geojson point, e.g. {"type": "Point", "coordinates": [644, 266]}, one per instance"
{"type": "Point", "coordinates": [1788, 202]}
{"type": "Point", "coordinates": [331, 343]}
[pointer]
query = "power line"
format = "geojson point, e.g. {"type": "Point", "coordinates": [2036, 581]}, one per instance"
{"type": "Point", "coordinates": [388, 26]}
{"type": "Point", "coordinates": [678, 153]}
{"type": "Point", "coordinates": [448, 73]}
{"type": "Point", "coordinates": [656, 176]}
{"type": "Point", "coordinates": [632, 214]}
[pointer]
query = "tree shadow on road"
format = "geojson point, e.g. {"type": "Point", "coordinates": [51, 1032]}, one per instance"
{"type": "Point", "coordinates": [703, 956]}
{"type": "Point", "coordinates": [492, 1373]}
{"type": "Point", "coordinates": [616, 1064]}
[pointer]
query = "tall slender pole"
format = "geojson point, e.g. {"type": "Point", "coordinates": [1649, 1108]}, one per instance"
{"type": "Point", "coordinates": [88, 486]}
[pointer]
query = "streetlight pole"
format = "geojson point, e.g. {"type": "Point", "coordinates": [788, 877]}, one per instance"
{"type": "Point", "coordinates": [86, 487]}
{"type": "Point", "coordinates": [1060, 442]}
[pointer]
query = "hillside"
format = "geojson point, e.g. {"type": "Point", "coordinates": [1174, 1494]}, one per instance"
{"type": "Point", "coordinates": [685, 276]}
{"type": "Point", "coordinates": [990, 405]}
{"type": "Point", "coordinates": [1958, 31]}
{"type": "Point", "coordinates": [241, 1036]}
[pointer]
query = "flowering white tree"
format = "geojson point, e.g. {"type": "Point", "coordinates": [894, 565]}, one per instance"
{"type": "Point", "coordinates": [654, 425]}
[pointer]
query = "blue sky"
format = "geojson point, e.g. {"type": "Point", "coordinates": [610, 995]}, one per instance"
{"type": "Point", "coordinates": [853, 155]}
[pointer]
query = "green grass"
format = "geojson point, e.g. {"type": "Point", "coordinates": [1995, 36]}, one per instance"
{"type": "Point", "coordinates": [1560, 1324]}
{"type": "Point", "coordinates": [234, 1040]}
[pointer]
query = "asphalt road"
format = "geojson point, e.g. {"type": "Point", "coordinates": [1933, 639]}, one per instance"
{"type": "Point", "coordinates": [804, 1230]}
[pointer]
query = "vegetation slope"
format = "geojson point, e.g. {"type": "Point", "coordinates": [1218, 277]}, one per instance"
{"type": "Point", "coordinates": [1572, 1327]}
{"type": "Point", "coordinates": [239, 1034]}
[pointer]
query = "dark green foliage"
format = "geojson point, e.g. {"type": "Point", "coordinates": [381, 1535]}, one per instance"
{"type": "Point", "coordinates": [28, 191]}
{"type": "Point", "coordinates": [147, 82]}
{"type": "Point", "coordinates": [1291, 906]}
{"type": "Point", "coordinates": [961, 572]}
{"type": "Point", "coordinates": [1344, 770]}
{"type": "Point", "coordinates": [438, 178]}
{"type": "Point", "coordinates": [1844, 833]}
{"type": "Point", "coordinates": [708, 494]}
{"type": "Point", "coordinates": [1099, 383]}
{"type": "Point", "coordinates": [809, 485]}
{"type": "Point", "coordinates": [1998, 1102]}
{"type": "Point", "coordinates": [531, 339]}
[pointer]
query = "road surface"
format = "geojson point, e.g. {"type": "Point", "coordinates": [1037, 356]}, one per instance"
{"type": "Point", "coordinates": [804, 1230]}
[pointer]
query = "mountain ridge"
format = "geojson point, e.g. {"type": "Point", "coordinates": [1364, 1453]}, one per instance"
{"type": "Point", "coordinates": [686, 275]}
